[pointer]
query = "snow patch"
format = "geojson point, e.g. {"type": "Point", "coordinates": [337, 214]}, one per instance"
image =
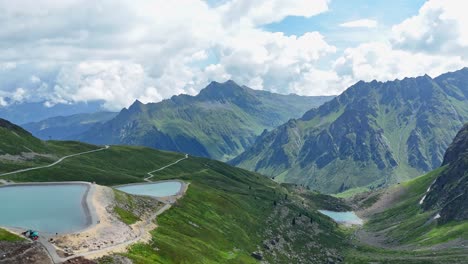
{"type": "Point", "coordinates": [422, 199]}
{"type": "Point", "coordinates": [437, 216]}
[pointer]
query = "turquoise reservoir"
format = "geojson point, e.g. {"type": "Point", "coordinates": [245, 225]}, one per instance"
{"type": "Point", "coordinates": [160, 189]}
{"type": "Point", "coordinates": [51, 208]}
{"type": "Point", "coordinates": [343, 217]}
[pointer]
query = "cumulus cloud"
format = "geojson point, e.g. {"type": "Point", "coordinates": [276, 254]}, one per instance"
{"type": "Point", "coordinates": [110, 81]}
{"type": "Point", "coordinates": [118, 51]}
{"type": "Point", "coordinates": [380, 61]}
{"type": "Point", "coordinates": [439, 27]}
{"type": "Point", "coordinates": [262, 12]}
{"type": "Point", "coordinates": [360, 23]}
{"type": "Point", "coordinates": [274, 60]}
{"type": "Point", "coordinates": [432, 42]}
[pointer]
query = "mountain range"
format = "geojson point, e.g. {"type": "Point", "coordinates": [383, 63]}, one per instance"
{"type": "Point", "coordinates": [67, 127]}
{"type": "Point", "coordinates": [222, 121]}
{"type": "Point", "coordinates": [26, 112]}
{"type": "Point", "coordinates": [373, 134]}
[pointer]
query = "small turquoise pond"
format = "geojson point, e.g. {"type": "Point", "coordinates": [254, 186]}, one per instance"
{"type": "Point", "coordinates": [46, 208]}
{"type": "Point", "coordinates": [343, 217]}
{"type": "Point", "coordinates": [160, 189]}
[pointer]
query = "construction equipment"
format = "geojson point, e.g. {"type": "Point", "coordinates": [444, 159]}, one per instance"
{"type": "Point", "coordinates": [34, 235]}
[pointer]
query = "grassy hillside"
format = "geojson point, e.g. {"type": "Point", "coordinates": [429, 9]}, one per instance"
{"type": "Point", "coordinates": [404, 231]}
{"type": "Point", "coordinates": [19, 149]}
{"type": "Point", "coordinates": [427, 213]}
{"type": "Point", "coordinates": [117, 165]}
{"type": "Point", "coordinates": [227, 213]}
{"type": "Point", "coordinates": [410, 224]}
{"type": "Point", "coordinates": [7, 236]}
{"type": "Point", "coordinates": [428, 210]}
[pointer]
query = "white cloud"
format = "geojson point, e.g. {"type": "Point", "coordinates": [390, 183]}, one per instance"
{"type": "Point", "coordinates": [380, 61]}
{"type": "Point", "coordinates": [261, 12]}
{"type": "Point", "coordinates": [432, 42]}
{"type": "Point", "coordinates": [19, 94]}
{"type": "Point", "coordinates": [35, 79]}
{"type": "Point", "coordinates": [441, 26]}
{"type": "Point", "coordinates": [360, 23]}
{"type": "Point", "coordinates": [314, 81]}
{"type": "Point", "coordinates": [118, 51]}
{"type": "Point", "coordinates": [3, 102]}
{"type": "Point", "coordinates": [6, 66]}
{"type": "Point", "coordinates": [273, 57]}
{"type": "Point", "coordinates": [118, 84]}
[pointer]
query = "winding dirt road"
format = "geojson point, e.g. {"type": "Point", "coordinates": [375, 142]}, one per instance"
{"type": "Point", "coordinates": [162, 168]}
{"type": "Point", "coordinates": [56, 162]}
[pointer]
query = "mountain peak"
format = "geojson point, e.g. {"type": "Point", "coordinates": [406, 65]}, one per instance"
{"type": "Point", "coordinates": [459, 146]}
{"type": "Point", "coordinates": [221, 91]}
{"type": "Point", "coordinates": [136, 106]}
{"type": "Point", "coordinates": [226, 84]}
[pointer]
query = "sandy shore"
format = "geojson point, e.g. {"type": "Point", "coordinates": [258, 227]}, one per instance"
{"type": "Point", "coordinates": [111, 235]}
{"type": "Point", "coordinates": [107, 232]}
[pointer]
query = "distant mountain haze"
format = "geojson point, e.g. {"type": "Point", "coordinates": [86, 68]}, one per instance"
{"type": "Point", "coordinates": [374, 134]}
{"type": "Point", "coordinates": [220, 122]}
{"type": "Point", "coordinates": [67, 127]}
{"type": "Point", "coordinates": [26, 112]}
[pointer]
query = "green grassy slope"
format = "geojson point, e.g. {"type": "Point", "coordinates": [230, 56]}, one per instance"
{"type": "Point", "coordinates": [226, 214]}
{"type": "Point", "coordinates": [408, 233]}
{"type": "Point", "coordinates": [116, 165]}
{"type": "Point", "coordinates": [19, 149]}
{"type": "Point", "coordinates": [7, 236]}
{"type": "Point", "coordinates": [410, 223]}
{"type": "Point", "coordinates": [432, 208]}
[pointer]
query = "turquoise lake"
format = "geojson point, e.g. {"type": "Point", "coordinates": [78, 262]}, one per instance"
{"type": "Point", "coordinates": [160, 189]}
{"type": "Point", "coordinates": [45, 208]}
{"type": "Point", "coordinates": [343, 217]}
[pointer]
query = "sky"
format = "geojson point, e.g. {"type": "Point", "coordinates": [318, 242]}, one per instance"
{"type": "Point", "coordinates": [117, 51]}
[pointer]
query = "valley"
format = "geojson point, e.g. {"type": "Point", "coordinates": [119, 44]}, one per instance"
{"type": "Point", "coordinates": [233, 132]}
{"type": "Point", "coordinates": [237, 216]}
{"type": "Point", "coordinates": [373, 135]}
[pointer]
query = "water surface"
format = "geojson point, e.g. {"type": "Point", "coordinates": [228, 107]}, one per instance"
{"type": "Point", "coordinates": [343, 217]}
{"type": "Point", "coordinates": [160, 189]}
{"type": "Point", "coordinates": [46, 208]}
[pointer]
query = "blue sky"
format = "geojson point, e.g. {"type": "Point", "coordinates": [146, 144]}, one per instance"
{"type": "Point", "coordinates": [72, 51]}
{"type": "Point", "coordinates": [386, 13]}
